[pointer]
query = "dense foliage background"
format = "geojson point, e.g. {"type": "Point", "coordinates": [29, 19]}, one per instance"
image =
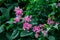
{"type": "Point", "coordinates": [41, 10]}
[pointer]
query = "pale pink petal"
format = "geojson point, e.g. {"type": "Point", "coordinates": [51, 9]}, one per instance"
{"type": "Point", "coordinates": [36, 35]}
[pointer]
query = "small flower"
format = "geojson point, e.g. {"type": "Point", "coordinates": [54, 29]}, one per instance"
{"type": "Point", "coordinates": [36, 29]}
{"type": "Point", "coordinates": [57, 23]}
{"type": "Point", "coordinates": [26, 26]}
{"type": "Point", "coordinates": [27, 18]}
{"type": "Point", "coordinates": [17, 8]}
{"type": "Point", "coordinates": [18, 11]}
{"type": "Point", "coordinates": [44, 33]}
{"type": "Point", "coordinates": [49, 21]}
{"type": "Point", "coordinates": [41, 25]}
{"type": "Point", "coordinates": [17, 19]}
{"type": "Point", "coordinates": [36, 35]}
{"type": "Point", "coordinates": [57, 5]}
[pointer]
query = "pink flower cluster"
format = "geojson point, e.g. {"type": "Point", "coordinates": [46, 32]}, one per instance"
{"type": "Point", "coordinates": [36, 29]}
{"type": "Point", "coordinates": [36, 35]}
{"type": "Point", "coordinates": [27, 18]}
{"type": "Point", "coordinates": [18, 13]}
{"type": "Point", "coordinates": [44, 32]}
{"type": "Point", "coordinates": [17, 19]}
{"type": "Point", "coordinates": [50, 21]}
{"type": "Point", "coordinates": [26, 26]}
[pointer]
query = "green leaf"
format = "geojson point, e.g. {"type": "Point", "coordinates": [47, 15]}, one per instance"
{"type": "Point", "coordinates": [5, 13]}
{"type": "Point", "coordinates": [32, 1]}
{"type": "Point", "coordinates": [46, 26]}
{"type": "Point", "coordinates": [0, 0]}
{"type": "Point", "coordinates": [53, 6]}
{"type": "Point", "coordinates": [1, 29]}
{"type": "Point", "coordinates": [39, 38]}
{"type": "Point", "coordinates": [14, 34]}
{"type": "Point", "coordinates": [8, 27]}
{"type": "Point", "coordinates": [56, 26]}
{"type": "Point", "coordinates": [51, 38]}
{"type": "Point", "coordinates": [10, 7]}
{"type": "Point", "coordinates": [53, 1]}
{"type": "Point", "coordinates": [8, 36]}
{"type": "Point", "coordinates": [10, 22]}
{"type": "Point", "coordinates": [58, 0]}
{"type": "Point", "coordinates": [40, 1]}
{"type": "Point", "coordinates": [25, 33]}
{"type": "Point", "coordinates": [52, 13]}
{"type": "Point", "coordinates": [48, 29]}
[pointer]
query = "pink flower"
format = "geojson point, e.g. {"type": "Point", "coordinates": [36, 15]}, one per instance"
{"type": "Point", "coordinates": [27, 18]}
{"type": "Point", "coordinates": [57, 5]}
{"type": "Point", "coordinates": [41, 25]}
{"type": "Point", "coordinates": [26, 26]}
{"type": "Point", "coordinates": [18, 11]}
{"type": "Point", "coordinates": [17, 19]}
{"type": "Point", "coordinates": [36, 35]}
{"type": "Point", "coordinates": [50, 21]}
{"type": "Point", "coordinates": [57, 23]}
{"type": "Point", "coordinates": [36, 29]}
{"type": "Point", "coordinates": [44, 33]}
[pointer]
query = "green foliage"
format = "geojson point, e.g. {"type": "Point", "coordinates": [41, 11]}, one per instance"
{"type": "Point", "coordinates": [1, 29]}
{"type": "Point", "coordinates": [41, 10]}
{"type": "Point", "coordinates": [51, 38]}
